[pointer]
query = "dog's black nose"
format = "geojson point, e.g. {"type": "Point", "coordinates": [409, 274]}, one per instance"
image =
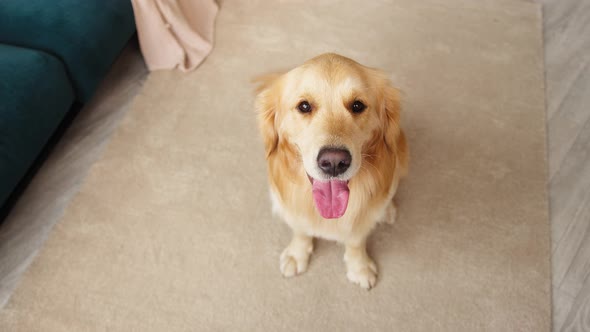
{"type": "Point", "coordinates": [334, 161]}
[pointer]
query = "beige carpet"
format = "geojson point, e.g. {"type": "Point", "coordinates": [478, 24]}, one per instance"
{"type": "Point", "coordinates": [172, 230]}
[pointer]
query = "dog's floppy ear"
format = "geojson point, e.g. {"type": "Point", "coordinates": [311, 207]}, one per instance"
{"type": "Point", "coordinates": [394, 137]}
{"type": "Point", "coordinates": [267, 100]}
{"type": "Point", "coordinates": [391, 114]}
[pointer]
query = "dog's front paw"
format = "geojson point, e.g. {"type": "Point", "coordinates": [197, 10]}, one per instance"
{"type": "Point", "coordinates": [363, 274]}
{"type": "Point", "coordinates": [294, 260]}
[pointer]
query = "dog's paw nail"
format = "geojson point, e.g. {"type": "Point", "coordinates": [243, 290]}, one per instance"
{"type": "Point", "coordinates": [292, 265]}
{"type": "Point", "coordinates": [288, 266]}
{"type": "Point", "coordinates": [366, 277]}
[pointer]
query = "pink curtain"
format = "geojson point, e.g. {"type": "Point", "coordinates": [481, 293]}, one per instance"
{"type": "Point", "coordinates": [175, 33]}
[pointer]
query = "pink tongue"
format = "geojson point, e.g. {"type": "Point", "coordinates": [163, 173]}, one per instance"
{"type": "Point", "coordinates": [331, 197]}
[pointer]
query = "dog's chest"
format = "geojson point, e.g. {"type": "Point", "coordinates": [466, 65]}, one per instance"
{"type": "Point", "coordinates": [300, 215]}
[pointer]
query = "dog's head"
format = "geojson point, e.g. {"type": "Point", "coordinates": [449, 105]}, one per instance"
{"type": "Point", "coordinates": [336, 114]}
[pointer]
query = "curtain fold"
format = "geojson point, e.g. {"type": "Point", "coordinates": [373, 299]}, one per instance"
{"type": "Point", "coordinates": [175, 33]}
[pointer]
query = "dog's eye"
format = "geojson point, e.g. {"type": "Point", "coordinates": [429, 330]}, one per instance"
{"type": "Point", "coordinates": [358, 107]}
{"type": "Point", "coordinates": [304, 107]}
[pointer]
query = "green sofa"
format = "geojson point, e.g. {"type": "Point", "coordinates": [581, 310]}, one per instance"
{"type": "Point", "coordinates": [53, 55]}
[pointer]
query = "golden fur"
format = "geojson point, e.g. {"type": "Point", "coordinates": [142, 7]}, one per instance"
{"type": "Point", "coordinates": [292, 139]}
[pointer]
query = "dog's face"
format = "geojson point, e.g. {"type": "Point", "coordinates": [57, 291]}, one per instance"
{"type": "Point", "coordinates": [334, 112]}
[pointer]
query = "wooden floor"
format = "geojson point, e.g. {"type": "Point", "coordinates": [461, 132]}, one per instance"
{"type": "Point", "coordinates": [567, 57]}
{"type": "Point", "coordinates": [567, 67]}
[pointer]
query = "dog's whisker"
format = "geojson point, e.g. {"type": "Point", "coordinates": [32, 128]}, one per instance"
{"type": "Point", "coordinates": [374, 167]}
{"type": "Point", "coordinates": [368, 155]}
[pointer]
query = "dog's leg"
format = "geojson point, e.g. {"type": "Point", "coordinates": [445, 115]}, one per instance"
{"type": "Point", "coordinates": [390, 214]}
{"type": "Point", "coordinates": [361, 269]}
{"type": "Point", "coordinates": [295, 257]}
{"type": "Point", "coordinates": [391, 210]}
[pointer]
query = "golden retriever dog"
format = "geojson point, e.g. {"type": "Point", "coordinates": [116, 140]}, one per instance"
{"type": "Point", "coordinates": [335, 155]}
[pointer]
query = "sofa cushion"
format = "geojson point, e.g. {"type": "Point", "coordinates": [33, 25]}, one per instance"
{"type": "Point", "coordinates": [87, 35]}
{"type": "Point", "coordinates": [35, 94]}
